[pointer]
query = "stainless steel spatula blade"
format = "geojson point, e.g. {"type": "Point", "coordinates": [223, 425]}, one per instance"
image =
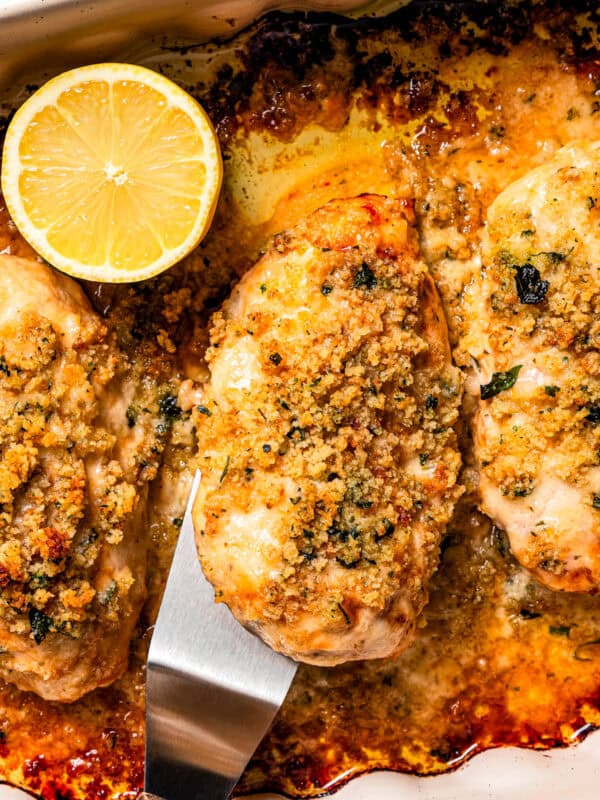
{"type": "Point", "coordinates": [212, 687]}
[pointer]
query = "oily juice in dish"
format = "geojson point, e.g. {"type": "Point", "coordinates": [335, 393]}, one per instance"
{"type": "Point", "coordinates": [444, 111]}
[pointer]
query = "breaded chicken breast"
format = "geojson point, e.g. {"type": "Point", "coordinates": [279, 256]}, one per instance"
{"type": "Point", "coordinates": [326, 441]}
{"type": "Point", "coordinates": [536, 344]}
{"type": "Point", "coordinates": [72, 493]}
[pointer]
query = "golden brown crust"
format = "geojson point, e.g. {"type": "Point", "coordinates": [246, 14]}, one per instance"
{"type": "Point", "coordinates": [72, 489]}
{"type": "Point", "coordinates": [329, 462]}
{"type": "Point", "coordinates": [537, 316]}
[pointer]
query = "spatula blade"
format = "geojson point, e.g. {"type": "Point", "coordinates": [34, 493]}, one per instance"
{"type": "Point", "coordinates": [212, 688]}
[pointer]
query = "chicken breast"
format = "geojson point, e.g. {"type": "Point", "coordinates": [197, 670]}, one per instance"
{"type": "Point", "coordinates": [72, 490]}
{"type": "Point", "coordinates": [536, 344]}
{"type": "Point", "coordinates": [327, 449]}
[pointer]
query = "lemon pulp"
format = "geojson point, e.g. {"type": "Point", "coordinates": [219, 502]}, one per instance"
{"type": "Point", "coordinates": [111, 172]}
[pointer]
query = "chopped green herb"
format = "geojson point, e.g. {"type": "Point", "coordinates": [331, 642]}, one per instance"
{"type": "Point", "coordinates": [131, 416]}
{"type": "Point", "coordinates": [296, 433]}
{"type": "Point", "coordinates": [168, 407]}
{"type": "Point", "coordinates": [596, 501]}
{"type": "Point", "coordinates": [263, 288]}
{"type": "Point", "coordinates": [4, 367]}
{"type": "Point", "coordinates": [591, 202]}
{"type": "Point", "coordinates": [266, 448]}
{"type": "Point", "coordinates": [107, 595]}
{"type": "Point", "coordinates": [204, 410]}
{"type": "Point", "coordinates": [40, 625]}
{"type": "Point", "coordinates": [554, 256]}
{"type": "Point", "coordinates": [500, 541]}
{"type": "Point", "coordinates": [365, 277]}
{"type": "Point", "coordinates": [275, 358]}
{"type": "Point", "coordinates": [225, 470]}
{"type": "Point", "coordinates": [344, 613]}
{"type": "Point", "coordinates": [364, 503]}
{"type": "Point", "coordinates": [326, 288]}
{"type": "Point", "coordinates": [388, 529]}
{"type": "Point", "coordinates": [552, 390]}
{"type": "Point", "coordinates": [431, 403]}
{"type": "Point", "coordinates": [560, 630]}
{"type": "Point", "coordinates": [523, 491]}
{"type": "Point", "coordinates": [501, 381]}
{"type": "Point", "coordinates": [178, 522]}
{"type": "Point", "coordinates": [423, 458]}
{"type": "Point", "coordinates": [530, 287]}
{"type": "Point", "coordinates": [39, 581]}
{"type": "Point", "coordinates": [594, 414]}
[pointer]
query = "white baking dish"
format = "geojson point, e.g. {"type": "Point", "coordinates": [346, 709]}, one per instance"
{"type": "Point", "coordinates": [39, 37]}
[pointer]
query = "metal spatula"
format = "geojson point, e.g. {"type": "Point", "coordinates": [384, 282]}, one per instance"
{"type": "Point", "coordinates": [212, 688]}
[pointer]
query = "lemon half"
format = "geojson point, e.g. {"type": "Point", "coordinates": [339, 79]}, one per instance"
{"type": "Point", "coordinates": [111, 172]}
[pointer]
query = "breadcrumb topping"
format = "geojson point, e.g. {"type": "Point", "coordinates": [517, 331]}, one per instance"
{"type": "Point", "coordinates": [347, 430]}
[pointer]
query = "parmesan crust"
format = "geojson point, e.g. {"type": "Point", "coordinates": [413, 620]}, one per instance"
{"type": "Point", "coordinates": [538, 439]}
{"type": "Point", "coordinates": [326, 439]}
{"type": "Point", "coordinates": [73, 476]}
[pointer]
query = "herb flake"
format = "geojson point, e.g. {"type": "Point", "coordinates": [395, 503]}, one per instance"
{"type": "Point", "coordinates": [501, 382]}
{"type": "Point", "coordinates": [365, 277]}
{"type": "Point", "coordinates": [40, 624]}
{"type": "Point", "coordinates": [131, 416]}
{"type": "Point", "coordinates": [344, 613]}
{"type": "Point", "coordinates": [225, 470]}
{"type": "Point", "coordinates": [168, 407]}
{"type": "Point", "coordinates": [530, 287]}
{"type": "Point", "coordinates": [560, 630]}
{"type": "Point", "coordinates": [594, 414]}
